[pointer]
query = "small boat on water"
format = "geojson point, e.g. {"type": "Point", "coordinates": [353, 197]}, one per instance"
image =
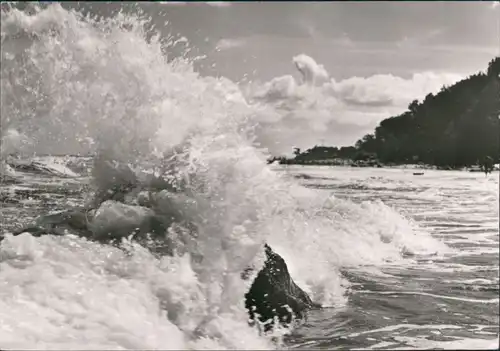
{"type": "Point", "coordinates": [475, 169]}
{"type": "Point", "coordinates": [418, 173]}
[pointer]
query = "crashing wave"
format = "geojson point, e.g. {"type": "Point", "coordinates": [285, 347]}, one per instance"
{"type": "Point", "coordinates": [164, 221]}
{"type": "Point", "coordinates": [181, 158]}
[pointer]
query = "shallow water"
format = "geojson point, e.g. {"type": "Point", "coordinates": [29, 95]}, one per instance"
{"type": "Point", "coordinates": [447, 300]}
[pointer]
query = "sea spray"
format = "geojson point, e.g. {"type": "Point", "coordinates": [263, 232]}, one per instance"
{"type": "Point", "coordinates": [82, 85]}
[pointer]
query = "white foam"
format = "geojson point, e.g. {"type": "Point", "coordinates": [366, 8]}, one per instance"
{"type": "Point", "coordinates": [114, 92]}
{"type": "Point", "coordinates": [460, 344]}
{"type": "Point", "coordinates": [488, 301]}
{"type": "Point", "coordinates": [392, 328]}
{"type": "Point", "coordinates": [64, 292]}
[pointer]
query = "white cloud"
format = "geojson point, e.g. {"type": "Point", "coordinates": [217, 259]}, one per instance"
{"type": "Point", "coordinates": [310, 70]}
{"type": "Point", "coordinates": [225, 44]}
{"type": "Point", "coordinates": [210, 3]}
{"type": "Point", "coordinates": [218, 3]}
{"type": "Point", "coordinates": [390, 90]}
{"type": "Point", "coordinates": [302, 114]}
{"type": "Point", "coordinates": [173, 3]}
{"type": "Point", "coordinates": [278, 88]}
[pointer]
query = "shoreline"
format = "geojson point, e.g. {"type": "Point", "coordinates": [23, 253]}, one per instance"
{"type": "Point", "coordinates": [471, 169]}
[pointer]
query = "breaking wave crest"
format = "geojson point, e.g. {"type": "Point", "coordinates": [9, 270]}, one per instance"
{"type": "Point", "coordinates": [78, 85]}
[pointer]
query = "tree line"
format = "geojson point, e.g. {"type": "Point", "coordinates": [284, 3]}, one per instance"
{"type": "Point", "coordinates": [457, 127]}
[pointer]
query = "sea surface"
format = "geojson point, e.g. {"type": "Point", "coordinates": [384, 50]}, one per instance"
{"type": "Point", "coordinates": [446, 298]}
{"type": "Point", "coordinates": [448, 301]}
{"type": "Point", "coordinates": [397, 260]}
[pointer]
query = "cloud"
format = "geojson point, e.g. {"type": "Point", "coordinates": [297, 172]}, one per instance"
{"type": "Point", "coordinates": [277, 89]}
{"type": "Point", "coordinates": [306, 112]}
{"type": "Point", "coordinates": [390, 90]}
{"type": "Point", "coordinates": [209, 3]}
{"type": "Point", "coordinates": [225, 44]}
{"type": "Point", "coordinates": [173, 3]}
{"type": "Point", "coordinates": [375, 91]}
{"type": "Point", "coordinates": [367, 101]}
{"type": "Point", "coordinates": [219, 3]}
{"type": "Point", "coordinates": [310, 70]}
{"type": "Point", "coordinates": [339, 112]}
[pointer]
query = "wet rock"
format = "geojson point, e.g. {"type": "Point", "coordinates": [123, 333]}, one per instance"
{"type": "Point", "coordinates": [274, 294]}
{"type": "Point", "coordinates": [73, 221]}
{"type": "Point", "coordinates": [113, 180]}
{"type": "Point", "coordinates": [113, 220]}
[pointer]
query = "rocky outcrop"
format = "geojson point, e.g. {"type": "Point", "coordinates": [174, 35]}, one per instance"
{"type": "Point", "coordinates": [274, 294]}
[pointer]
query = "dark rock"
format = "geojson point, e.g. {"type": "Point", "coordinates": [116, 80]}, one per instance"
{"type": "Point", "coordinates": [275, 294]}
{"type": "Point", "coordinates": [74, 221]}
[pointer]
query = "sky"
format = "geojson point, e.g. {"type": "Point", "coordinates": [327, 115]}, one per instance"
{"type": "Point", "coordinates": [349, 38]}
{"type": "Point", "coordinates": [379, 56]}
{"type": "Point", "coordinates": [374, 57]}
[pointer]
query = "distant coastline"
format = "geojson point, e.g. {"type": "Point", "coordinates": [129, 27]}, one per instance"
{"type": "Point", "coordinates": [372, 164]}
{"type": "Point", "coordinates": [458, 128]}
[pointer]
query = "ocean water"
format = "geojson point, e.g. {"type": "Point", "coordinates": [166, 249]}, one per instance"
{"type": "Point", "coordinates": [396, 260]}
{"type": "Point", "coordinates": [416, 257]}
{"type": "Point", "coordinates": [446, 301]}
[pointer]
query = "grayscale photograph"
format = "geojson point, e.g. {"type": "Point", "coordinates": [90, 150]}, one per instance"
{"type": "Point", "coordinates": [249, 175]}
